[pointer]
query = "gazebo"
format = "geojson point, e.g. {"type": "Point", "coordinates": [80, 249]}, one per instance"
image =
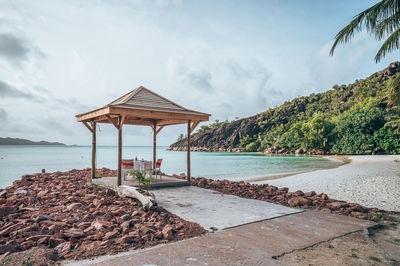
{"type": "Point", "coordinates": [141, 107]}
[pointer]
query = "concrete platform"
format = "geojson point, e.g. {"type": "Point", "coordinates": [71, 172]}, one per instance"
{"type": "Point", "coordinates": [214, 210]}
{"type": "Point", "coordinates": [252, 244]}
{"type": "Point", "coordinates": [165, 181]}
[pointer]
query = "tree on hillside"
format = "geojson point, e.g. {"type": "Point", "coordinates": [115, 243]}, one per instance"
{"type": "Point", "coordinates": [394, 102]}
{"type": "Point", "coordinates": [181, 137]}
{"type": "Point", "coordinates": [382, 20]}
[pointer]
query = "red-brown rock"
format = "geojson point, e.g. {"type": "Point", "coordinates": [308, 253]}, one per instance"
{"type": "Point", "coordinates": [110, 235]}
{"type": "Point", "coordinates": [6, 210]}
{"type": "Point", "coordinates": [125, 239]}
{"type": "Point", "coordinates": [298, 201]}
{"type": "Point", "coordinates": [11, 228]}
{"type": "Point", "coordinates": [53, 242]}
{"type": "Point", "coordinates": [74, 233]}
{"type": "Point", "coordinates": [167, 232]}
{"type": "Point", "coordinates": [63, 249]}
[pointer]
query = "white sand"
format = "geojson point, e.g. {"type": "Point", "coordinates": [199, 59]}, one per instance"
{"type": "Point", "coordinates": [370, 180]}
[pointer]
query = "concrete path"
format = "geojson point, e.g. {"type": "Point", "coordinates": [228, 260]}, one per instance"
{"type": "Point", "coordinates": [252, 244]}
{"type": "Point", "coordinates": [212, 209]}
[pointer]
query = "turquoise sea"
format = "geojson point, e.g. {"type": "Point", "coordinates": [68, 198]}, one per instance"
{"type": "Point", "coordinates": [16, 161]}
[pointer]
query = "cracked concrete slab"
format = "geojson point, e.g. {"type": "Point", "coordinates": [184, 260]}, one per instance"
{"type": "Point", "coordinates": [212, 209]}
{"type": "Point", "coordinates": [251, 244]}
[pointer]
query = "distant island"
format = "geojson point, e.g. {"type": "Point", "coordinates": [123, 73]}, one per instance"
{"type": "Point", "coordinates": [17, 141]}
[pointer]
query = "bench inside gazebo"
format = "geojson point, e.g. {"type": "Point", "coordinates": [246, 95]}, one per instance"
{"type": "Point", "coordinates": [146, 108]}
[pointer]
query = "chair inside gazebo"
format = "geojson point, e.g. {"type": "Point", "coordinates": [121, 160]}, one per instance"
{"type": "Point", "coordinates": [146, 108]}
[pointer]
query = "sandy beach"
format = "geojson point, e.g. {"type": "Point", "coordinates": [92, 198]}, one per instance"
{"type": "Point", "coordinates": [370, 180]}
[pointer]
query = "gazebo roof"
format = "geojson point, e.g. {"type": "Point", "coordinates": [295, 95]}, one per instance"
{"type": "Point", "coordinates": [143, 107]}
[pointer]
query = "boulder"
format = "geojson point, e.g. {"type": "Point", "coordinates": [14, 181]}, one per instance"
{"type": "Point", "coordinates": [168, 232]}
{"type": "Point", "coordinates": [42, 217]}
{"type": "Point", "coordinates": [3, 194]}
{"type": "Point", "coordinates": [74, 206]}
{"type": "Point", "coordinates": [336, 205]}
{"type": "Point", "coordinates": [298, 201]}
{"type": "Point", "coordinates": [63, 249]}
{"type": "Point", "coordinates": [21, 192]}
{"type": "Point", "coordinates": [310, 194]}
{"type": "Point", "coordinates": [27, 244]}
{"type": "Point", "coordinates": [7, 248]}
{"type": "Point", "coordinates": [359, 215]}
{"type": "Point", "coordinates": [74, 233]}
{"type": "Point", "coordinates": [42, 193]}
{"type": "Point", "coordinates": [12, 228]}
{"type": "Point", "coordinates": [110, 235]}
{"type": "Point", "coordinates": [125, 239]}
{"type": "Point", "coordinates": [6, 210]}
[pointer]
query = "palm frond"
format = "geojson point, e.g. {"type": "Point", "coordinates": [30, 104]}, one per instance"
{"type": "Point", "coordinates": [387, 26]}
{"type": "Point", "coordinates": [392, 42]}
{"type": "Point", "coordinates": [356, 24]}
{"type": "Point", "coordinates": [381, 19]}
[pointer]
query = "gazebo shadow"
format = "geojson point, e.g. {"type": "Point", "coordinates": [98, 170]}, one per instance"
{"type": "Point", "coordinates": [157, 183]}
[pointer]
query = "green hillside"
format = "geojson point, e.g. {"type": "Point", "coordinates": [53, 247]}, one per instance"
{"type": "Point", "coordinates": [348, 119]}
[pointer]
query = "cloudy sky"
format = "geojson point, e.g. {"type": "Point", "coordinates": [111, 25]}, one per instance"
{"type": "Point", "coordinates": [228, 58]}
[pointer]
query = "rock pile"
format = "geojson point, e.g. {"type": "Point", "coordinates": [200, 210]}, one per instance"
{"type": "Point", "coordinates": [276, 149]}
{"type": "Point", "coordinates": [293, 199]}
{"type": "Point", "coordinates": [66, 217]}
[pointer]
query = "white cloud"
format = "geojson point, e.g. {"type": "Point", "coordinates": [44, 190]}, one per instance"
{"type": "Point", "coordinates": [224, 59]}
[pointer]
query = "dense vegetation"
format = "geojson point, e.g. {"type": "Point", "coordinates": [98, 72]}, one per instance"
{"type": "Point", "coordinates": [359, 118]}
{"type": "Point", "coordinates": [216, 124]}
{"type": "Point", "coordinates": [354, 119]}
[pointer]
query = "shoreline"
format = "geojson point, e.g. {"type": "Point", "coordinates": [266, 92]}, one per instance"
{"type": "Point", "coordinates": [370, 180]}
{"type": "Point", "coordinates": [343, 159]}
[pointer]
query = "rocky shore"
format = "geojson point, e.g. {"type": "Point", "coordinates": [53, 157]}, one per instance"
{"type": "Point", "coordinates": [297, 199]}
{"type": "Point", "coordinates": [276, 149]}
{"type": "Point", "coordinates": [48, 217]}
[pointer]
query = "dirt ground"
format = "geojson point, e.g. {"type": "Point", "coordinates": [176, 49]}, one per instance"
{"type": "Point", "coordinates": [377, 246]}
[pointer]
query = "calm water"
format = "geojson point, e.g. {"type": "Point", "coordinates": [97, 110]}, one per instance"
{"type": "Point", "coordinates": [16, 161]}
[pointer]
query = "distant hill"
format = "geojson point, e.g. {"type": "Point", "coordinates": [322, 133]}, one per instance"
{"type": "Point", "coordinates": [348, 119]}
{"type": "Point", "coordinates": [16, 141]}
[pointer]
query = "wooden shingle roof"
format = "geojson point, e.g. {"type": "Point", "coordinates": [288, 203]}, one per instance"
{"type": "Point", "coordinates": [142, 106]}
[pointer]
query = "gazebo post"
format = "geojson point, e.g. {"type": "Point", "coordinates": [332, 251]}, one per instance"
{"type": "Point", "coordinates": [154, 144]}
{"type": "Point", "coordinates": [142, 107]}
{"type": "Point", "coordinates": [120, 124]}
{"type": "Point", "coordinates": [93, 149]}
{"type": "Point", "coordinates": [188, 151]}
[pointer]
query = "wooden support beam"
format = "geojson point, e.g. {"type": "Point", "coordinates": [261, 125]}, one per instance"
{"type": "Point", "coordinates": [149, 114]}
{"type": "Point", "coordinates": [154, 128]}
{"type": "Point", "coordinates": [93, 114]}
{"type": "Point", "coordinates": [194, 125]}
{"type": "Point", "coordinates": [88, 127]}
{"type": "Point", "coordinates": [188, 151]}
{"type": "Point", "coordinates": [119, 178]}
{"type": "Point", "coordinates": [112, 121]}
{"type": "Point", "coordinates": [159, 129]}
{"type": "Point", "coordinates": [93, 150]}
{"type": "Point", "coordinates": [121, 121]}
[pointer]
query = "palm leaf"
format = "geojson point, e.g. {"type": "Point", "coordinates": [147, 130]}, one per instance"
{"type": "Point", "coordinates": [387, 26]}
{"type": "Point", "coordinates": [356, 24]}
{"type": "Point", "coordinates": [391, 43]}
{"type": "Point", "coordinates": [379, 20]}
